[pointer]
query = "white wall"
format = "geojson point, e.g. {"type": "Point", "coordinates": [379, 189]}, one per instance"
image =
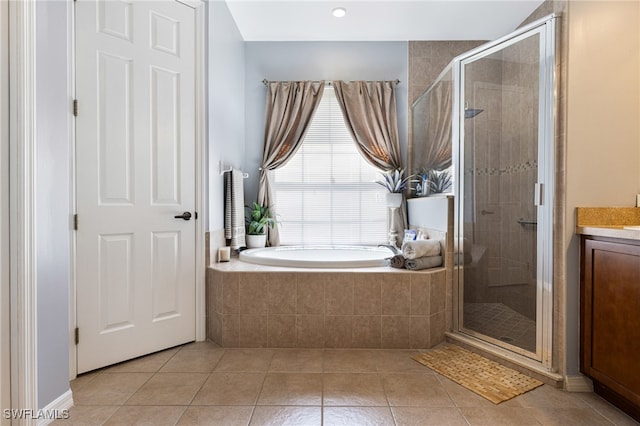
{"type": "Point", "coordinates": [52, 199]}
{"type": "Point", "coordinates": [316, 61]}
{"type": "Point", "coordinates": [603, 131]}
{"type": "Point", "coordinates": [4, 209]}
{"type": "Point", "coordinates": [226, 103]}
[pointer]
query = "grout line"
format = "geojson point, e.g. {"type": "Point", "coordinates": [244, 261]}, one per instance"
{"type": "Point", "coordinates": [455, 404]}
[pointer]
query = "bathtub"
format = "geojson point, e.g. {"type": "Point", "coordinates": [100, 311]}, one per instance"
{"type": "Point", "coordinates": [318, 256]}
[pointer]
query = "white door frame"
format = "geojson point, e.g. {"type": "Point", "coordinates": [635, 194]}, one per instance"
{"type": "Point", "coordinates": [200, 167]}
{"type": "Point", "coordinates": [5, 331]}
{"type": "Point", "coordinates": [22, 53]}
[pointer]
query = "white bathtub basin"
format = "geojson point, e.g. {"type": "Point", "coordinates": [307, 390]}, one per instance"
{"type": "Point", "coordinates": [318, 256]}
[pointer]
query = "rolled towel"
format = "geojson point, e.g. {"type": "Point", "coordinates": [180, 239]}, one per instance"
{"type": "Point", "coordinates": [396, 261]}
{"type": "Point", "coordinates": [421, 248]}
{"type": "Point", "coordinates": [423, 263]}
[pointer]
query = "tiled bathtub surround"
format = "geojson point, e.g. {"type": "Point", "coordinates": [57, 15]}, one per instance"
{"type": "Point", "coordinates": [365, 308]}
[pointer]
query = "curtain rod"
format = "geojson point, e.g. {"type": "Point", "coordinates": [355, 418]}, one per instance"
{"type": "Point", "coordinates": [329, 83]}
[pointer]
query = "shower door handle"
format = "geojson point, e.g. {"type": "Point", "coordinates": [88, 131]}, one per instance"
{"type": "Point", "coordinates": [538, 194]}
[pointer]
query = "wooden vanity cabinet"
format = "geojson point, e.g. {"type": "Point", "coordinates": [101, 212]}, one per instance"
{"type": "Point", "coordinates": [610, 319]}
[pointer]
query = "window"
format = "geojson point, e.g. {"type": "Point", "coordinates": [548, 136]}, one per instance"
{"type": "Point", "coordinates": [326, 193]}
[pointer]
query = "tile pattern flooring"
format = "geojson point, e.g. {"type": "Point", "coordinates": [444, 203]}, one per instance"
{"type": "Point", "coordinates": [202, 384]}
{"type": "Point", "coordinates": [499, 321]}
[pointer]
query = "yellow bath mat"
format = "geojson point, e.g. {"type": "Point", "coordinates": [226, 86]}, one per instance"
{"type": "Point", "coordinates": [487, 378]}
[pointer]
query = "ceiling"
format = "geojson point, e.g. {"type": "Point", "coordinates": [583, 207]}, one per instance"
{"type": "Point", "coordinates": [377, 20]}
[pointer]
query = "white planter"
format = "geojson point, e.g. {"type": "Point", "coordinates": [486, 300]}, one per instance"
{"type": "Point", "coordinates": [394, 199]}
{"type": "Point", "coordinates": [256, 241]}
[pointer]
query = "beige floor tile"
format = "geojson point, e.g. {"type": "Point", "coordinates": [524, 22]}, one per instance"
{"type": "Point", "coordinates": [302, 360]}
{"type": "Point", "coordinates": [169, 389]}
{"type": "Point", "coordinates": [463, 397]}
{"type": "Point", "coordinates": [110, 389]}
{"type": "Point", "coordinates": [148, 415]}
{"type": "Point", "coordinates": [291, 389]}
{"type": "Point", "coordinates": [216, 416]}
{"type": "Point", "coordinates": [83, 379]}
{"type": "Point", "coordinates": [549, 397]}
{"type": "Point", "coordinates": [245, 360]}
{"type": "Point", "coordinates": [399, 361]}
{"type": "Point", "coordinates": [207, 344]}
{"type": "Point", "coordinates": [361, 416]}
{"type": "Point", "coordinates": [87, 415]}
{"type": "Point", "coordinates": [569, 416]}
{"type": "Point", "coordinates": [354, 361]}
{"type": "Point", "coordinates": [607, 410]}
{"type": "Point", "coordinates": [146, 364]}
{"type": "Point", "coordinates": [286, 416]}
{"type": "Point", "coordinates": [414, 390]}
{"type": "Point", "coordinates": [499, 416]}
{"type": "Point", "coordinates": [194, 361]}
{"type": "Point", "coordinates": [420, 416]}
{"type": "Point", "coordinates": [353, 389]}
{"type": "Point", "coordinates": [230, 389]}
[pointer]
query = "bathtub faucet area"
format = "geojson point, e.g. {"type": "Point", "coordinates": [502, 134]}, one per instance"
{"type": "Point", "coordinates": [393, 248]}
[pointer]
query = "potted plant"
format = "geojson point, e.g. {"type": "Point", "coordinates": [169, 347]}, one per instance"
{"type": "Point", "coordinates": [440, 181]}
{"type": "Point", "coordinates": [395, 182]}
{"type": "Point", "coordinates": [257, 223]}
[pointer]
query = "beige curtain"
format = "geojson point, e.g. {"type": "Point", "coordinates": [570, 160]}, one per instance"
{"type": "Point", "coordinates": [438, 145]}
{"type": "Point", "coordinates": [369, 110]}
{"type": "Point", "coordinates": [290, 107]}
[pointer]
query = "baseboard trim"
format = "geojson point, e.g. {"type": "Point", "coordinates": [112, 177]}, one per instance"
{"type": "Point", "coordinates": [578, 383]}
{"type": "Point", "coordinates": [57, 409]}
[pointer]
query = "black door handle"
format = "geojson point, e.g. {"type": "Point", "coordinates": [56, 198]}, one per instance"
{"type": "Point", "coordinates": [185, 216]}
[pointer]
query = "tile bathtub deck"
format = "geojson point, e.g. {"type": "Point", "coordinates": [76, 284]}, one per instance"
{"type": "Point", "coordinates": [202, 384]}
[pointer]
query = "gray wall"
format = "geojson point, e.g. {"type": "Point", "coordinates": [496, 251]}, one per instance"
{"type": "Point", "coordinates": [226, 103]}
{"type": "Point", "coordinates": [52, 216]}
{"type": "Point", "coordinates": [315, 61]}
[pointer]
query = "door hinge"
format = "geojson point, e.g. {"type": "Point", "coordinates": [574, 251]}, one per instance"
{"type": "Point", "coordinates": [76, 333]}
{"type": "Point", "coordinates": [75, 107]}
{"type": "Point", "coordinates": [75, 222]}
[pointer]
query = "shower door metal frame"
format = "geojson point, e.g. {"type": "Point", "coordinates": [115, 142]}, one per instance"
{"type": "Point", "coordinates": [545, 185]}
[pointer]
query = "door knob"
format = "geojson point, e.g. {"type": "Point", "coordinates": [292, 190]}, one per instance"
{"type": "Point", "coordinates": [185, 216]}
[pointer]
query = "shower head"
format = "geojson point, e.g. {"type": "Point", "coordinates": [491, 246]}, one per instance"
{"type": "Point", "coordinates": [471, 112]}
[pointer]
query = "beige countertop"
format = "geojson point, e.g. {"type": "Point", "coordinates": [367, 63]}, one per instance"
{"type": "Point", "coordinates": [608, 222]}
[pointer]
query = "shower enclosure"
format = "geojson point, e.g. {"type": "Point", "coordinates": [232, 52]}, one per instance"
{"type": "Point", "coordinates": [502, 134]}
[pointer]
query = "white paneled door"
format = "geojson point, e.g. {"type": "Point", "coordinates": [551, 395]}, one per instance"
{"type": "Point", "coordinates": [135, 147]}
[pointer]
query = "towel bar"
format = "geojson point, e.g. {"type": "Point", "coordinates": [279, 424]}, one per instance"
{"type": "Point", "coordinates": [224, 169]}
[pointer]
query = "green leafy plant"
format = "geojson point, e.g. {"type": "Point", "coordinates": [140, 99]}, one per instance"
{"type": "Point", "coordinates": [258, 220]}
{"type": "Point", "coordinates": [394, 180]}
{"type": "Point", "coordinates": [439, 181]}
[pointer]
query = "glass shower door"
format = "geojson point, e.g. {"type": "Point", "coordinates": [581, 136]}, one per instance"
{"type": "Point", "coordinates": [501, 109]}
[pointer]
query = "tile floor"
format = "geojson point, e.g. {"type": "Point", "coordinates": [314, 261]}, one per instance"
{"type": "Point", "coordinates": [202, 384]}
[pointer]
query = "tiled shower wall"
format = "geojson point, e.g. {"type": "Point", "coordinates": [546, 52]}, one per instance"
{"type": "Point", "coordinates": [395, 309]}
{"type": "Point", "coordinates": [500, 172]}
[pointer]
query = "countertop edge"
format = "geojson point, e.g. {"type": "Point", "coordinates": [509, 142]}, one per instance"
{"type": "Point", "coordinates": [609, 231]}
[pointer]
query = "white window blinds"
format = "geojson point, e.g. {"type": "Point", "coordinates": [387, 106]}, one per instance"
{"type": "Point", "coordinates": [326, 193]}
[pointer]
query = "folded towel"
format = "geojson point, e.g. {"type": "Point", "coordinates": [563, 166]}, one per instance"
{"type": "Point", "coordinates": [234, 226]}
{"type": "Point", "coordinates": [421, 248]}
{"type": "Point", "coordinates": [423, 263]}
{"type": "Point", "coordinates": [396, 261]}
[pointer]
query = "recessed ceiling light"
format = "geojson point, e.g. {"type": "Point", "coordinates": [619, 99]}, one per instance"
{"type": "Point", "coordinates": [339, 12]}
